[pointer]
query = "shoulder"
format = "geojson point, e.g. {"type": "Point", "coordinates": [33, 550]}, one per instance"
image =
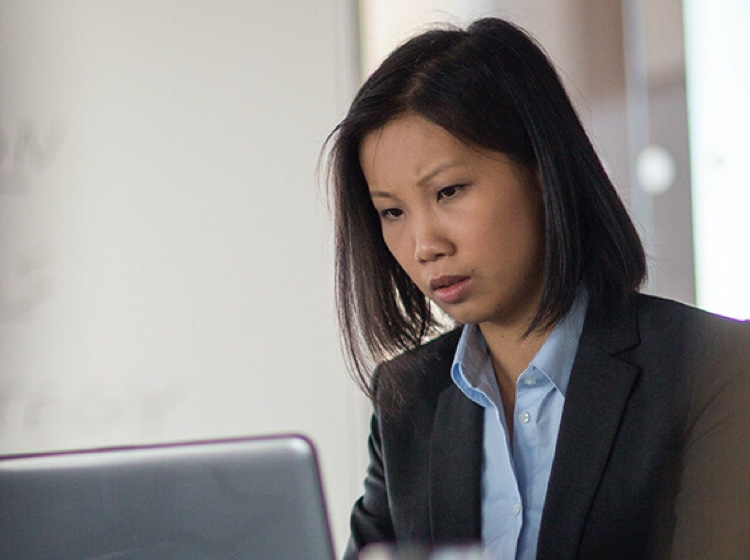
{"type": "Point", "coordinates": [672, 319]}
{"type": "Point", "coordinates": [670, 338]}
{"type": "Point", "coordinates": [661, 307]}
{"type": "Point", "coordinates": [709, 352]}
{"type": "Point", "coordinates": [428, 353]}
{"type": "Point", "coordinates": [418, 374]}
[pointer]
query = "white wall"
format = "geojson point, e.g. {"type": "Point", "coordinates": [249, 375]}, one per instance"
{"type": "Point", "coordinates": [165, 252]}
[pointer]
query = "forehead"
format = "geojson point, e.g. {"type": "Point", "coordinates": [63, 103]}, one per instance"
{"type": "Point", "coordinates": [408, 147]}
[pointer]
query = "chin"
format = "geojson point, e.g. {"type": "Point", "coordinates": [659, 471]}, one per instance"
{"type": "Point", "coordinates": [463, 316]}
{"type": "Point", "coordinates": [507, 317]}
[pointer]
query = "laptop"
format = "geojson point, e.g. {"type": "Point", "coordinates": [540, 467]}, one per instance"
{"type": "Point", "coordinates": [248, 498]}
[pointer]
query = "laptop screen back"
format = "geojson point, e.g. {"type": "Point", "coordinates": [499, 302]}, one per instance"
{"type": "Point", "coordinates": [257, 498]}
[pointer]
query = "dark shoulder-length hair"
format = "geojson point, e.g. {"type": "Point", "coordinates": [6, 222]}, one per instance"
{"type": "Point", "coordinates": [493, 87]}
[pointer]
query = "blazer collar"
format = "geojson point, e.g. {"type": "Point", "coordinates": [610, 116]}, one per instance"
{"type": "Point", "coordinates": [456, 469]}
{"type": "Point", "coordinates": [600, 385]}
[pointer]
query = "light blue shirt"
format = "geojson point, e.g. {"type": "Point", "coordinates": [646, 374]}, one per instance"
{"type": "Point", "coordinates": [514, 485]}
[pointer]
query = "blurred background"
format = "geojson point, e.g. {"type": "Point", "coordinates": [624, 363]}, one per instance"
{"type": "Point", "coordinates": [165, 244]}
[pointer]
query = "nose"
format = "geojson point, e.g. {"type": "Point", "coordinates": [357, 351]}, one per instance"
{"type": "Point", "coordinates": [430, 241]}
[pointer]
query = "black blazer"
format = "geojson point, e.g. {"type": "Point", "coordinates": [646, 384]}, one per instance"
{"type": "Point", "coordinates": [652, 457]}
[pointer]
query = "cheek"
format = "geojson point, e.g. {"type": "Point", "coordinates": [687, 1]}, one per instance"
{"type": "Point", "coordinates": [394, 245]}
{"type": "Point", "coordinates": [401, 250]}
{"type": "Point", "coordinates": [534, 248]}
{"type": "Point", "coordinates": [512, 242]}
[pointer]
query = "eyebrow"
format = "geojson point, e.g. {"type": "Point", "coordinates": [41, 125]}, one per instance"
{"type": "Point", "coordinates": [438, 170]}
{"type": "Point", "coordinates": [381, 194]}
{"type": "Point", "coordinates": [424, 179]}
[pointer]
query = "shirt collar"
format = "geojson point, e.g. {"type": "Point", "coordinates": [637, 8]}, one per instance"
{"type": "Point", "coordinates": [556, 356]}
{"type": "Point", "coordinates": [471, 368]}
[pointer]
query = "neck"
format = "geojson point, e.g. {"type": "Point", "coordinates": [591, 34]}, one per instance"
{"type": "Point", "coordinates": [511, 351]}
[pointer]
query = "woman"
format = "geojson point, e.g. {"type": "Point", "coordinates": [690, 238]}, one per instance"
{"type": "Point", "coordinates": [568, 416]}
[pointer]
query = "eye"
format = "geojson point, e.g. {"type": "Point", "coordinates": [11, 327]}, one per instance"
{"type": "Point", "coordinates": [449, 192]}
{"type": "Point", "coordinates": [391, 213]}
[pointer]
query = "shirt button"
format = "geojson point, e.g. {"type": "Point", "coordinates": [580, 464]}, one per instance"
{"type": "Point", "coordinates": [524, 417]}
{"type": "Point", "coordinates": [529, 381]}
{"type": "Point", "coordinates": [516, 509]}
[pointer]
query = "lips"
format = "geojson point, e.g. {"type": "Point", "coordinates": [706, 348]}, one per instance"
{"type": "Point", "coordinates": [449, 289]}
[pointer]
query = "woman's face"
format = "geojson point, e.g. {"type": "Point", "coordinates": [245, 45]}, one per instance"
{"type": "Point", "coordinates": [465, 224]}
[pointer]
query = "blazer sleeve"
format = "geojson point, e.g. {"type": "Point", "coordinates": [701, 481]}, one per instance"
{"type": "Point", "coordinates": [395, 506]}
{"type": "Point", "coordinates": [370, 519]}
{"type": "Point", "coordinates": [712, 507]}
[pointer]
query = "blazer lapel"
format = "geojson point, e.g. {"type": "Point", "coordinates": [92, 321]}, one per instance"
{"type": "Point", "coordinates": [455, 469]}
{"type": "Point", "coordinates": [599, 388]}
